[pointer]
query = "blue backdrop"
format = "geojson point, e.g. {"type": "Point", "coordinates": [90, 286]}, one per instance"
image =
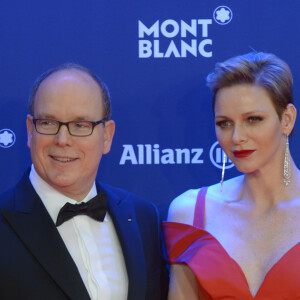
{"type": "Point", "coordinates": [154, 57]}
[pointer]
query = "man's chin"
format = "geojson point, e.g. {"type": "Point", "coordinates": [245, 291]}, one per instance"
{"type": "Point", "coordinates": [63, 183]}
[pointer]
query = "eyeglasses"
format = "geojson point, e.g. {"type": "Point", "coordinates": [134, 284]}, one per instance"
{"type": "Point", "coordinates": [75, 128]}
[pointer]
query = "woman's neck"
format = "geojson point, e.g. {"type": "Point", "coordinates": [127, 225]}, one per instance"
{"type": "Point", "coordinates": [266, 188]}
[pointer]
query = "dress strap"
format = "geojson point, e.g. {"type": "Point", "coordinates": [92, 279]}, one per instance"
{"type": "Point", "coordinates": [200, 208]}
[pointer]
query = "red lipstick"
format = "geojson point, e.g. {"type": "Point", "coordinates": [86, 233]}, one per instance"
{"type": "Point", "coordinates": [242, 153]}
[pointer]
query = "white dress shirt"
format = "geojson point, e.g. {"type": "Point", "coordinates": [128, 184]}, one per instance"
{"type": "Point", "coordinates": [94, 246]}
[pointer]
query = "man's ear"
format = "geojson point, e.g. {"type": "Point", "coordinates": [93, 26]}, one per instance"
{"type": "Point", "coordinates": [288, 119]}
{"type": "Point", "coordinates": [30, 129]}
{"type": "Point", "coordinates": [109, 131]}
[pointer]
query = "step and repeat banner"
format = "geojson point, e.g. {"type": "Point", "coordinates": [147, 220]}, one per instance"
{"type": "Point", "coordinates": [154, 56]}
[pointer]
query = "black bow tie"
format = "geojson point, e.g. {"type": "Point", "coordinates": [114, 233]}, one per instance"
{"type": "Point", "coordinates": [95, 208]}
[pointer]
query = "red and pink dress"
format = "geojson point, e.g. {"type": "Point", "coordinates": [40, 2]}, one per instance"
{"type": "Point", "coordinates": [218, 275]}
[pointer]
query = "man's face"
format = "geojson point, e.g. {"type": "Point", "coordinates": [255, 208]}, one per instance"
{"type": "Point", "coordinates": [69, 163]}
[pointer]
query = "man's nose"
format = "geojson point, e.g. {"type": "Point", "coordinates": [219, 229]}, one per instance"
{"type": "Point", "coordinates": [63, 136]}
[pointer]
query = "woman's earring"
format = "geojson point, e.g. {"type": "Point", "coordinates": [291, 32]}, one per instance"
{"type": "Point", "coordinates": [287, 163]}
{"type": "Point", "coordinates": [223, 170]}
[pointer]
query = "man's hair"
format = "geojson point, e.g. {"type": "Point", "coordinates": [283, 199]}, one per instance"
{"type": "Point", "coordinates": [259, 69]}
{"type": "Point", "coordinates": [72, 66]}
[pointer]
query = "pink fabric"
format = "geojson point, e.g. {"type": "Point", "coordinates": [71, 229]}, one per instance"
{"type": "Point", "coordinates": [218, 275]}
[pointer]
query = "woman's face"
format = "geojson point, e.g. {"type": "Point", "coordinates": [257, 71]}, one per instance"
{"type": "Point", "coordinates": [248, 127]}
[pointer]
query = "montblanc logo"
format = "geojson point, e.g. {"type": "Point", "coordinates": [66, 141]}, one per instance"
{"type": "Point", "coordinates": [7, 138]}
{"type": "Point", "coordinates": [179, 38]}
{"type": "Point", "coordinates": [223, 15]}
{"type": "Point", "coordinates": [152, 154]}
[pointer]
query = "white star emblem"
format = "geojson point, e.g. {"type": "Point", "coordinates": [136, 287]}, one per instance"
{"type": "Point", "coordinates": [223, 15]}
{"type": "Point", "coordinates": [7, 138]}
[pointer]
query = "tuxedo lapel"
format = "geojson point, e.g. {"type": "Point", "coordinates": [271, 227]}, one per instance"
{"type": "Point", "coordinates": [33, 225]}
{"type": "Point", "coordinates": [123, 216]}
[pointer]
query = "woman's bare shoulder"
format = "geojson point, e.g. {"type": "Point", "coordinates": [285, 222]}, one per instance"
{"type": "Point", "coordinates": [228, 191]}
{"type": "Point", "coordinates": [182, 208]}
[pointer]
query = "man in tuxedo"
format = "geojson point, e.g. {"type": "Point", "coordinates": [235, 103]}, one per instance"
{"type": "Point", "coordinates": [63, 235]}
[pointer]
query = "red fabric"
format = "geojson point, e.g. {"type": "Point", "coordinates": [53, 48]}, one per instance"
{"type": "Point", "coordinates": [218, 275]}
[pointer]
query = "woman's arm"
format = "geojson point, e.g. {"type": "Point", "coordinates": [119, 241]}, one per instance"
{"type": "Point", "coordinates": [183, 284]}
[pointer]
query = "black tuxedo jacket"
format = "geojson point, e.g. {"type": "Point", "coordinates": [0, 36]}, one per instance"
{"type": "Point", "coordinates": [36, 265]}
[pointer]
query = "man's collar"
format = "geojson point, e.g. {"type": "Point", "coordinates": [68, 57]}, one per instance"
{"type": "Point", "coordinates": [53, 199]}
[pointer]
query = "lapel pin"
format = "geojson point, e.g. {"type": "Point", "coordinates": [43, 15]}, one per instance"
{"type": "Point", "coordinates": [129, 220]}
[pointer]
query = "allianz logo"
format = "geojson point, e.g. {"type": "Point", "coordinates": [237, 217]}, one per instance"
{"type": "Point", "coordinates": [152, 154]}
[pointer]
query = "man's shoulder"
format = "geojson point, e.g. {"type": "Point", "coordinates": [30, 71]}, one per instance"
{"type": "Point", "coordinates": [115, 191]}
{"type": "Point", "coordinates": [23, 188]}
{"type": "Point", "coordinates": [6, 199]}
{"type": "Point", "coordinates": [119, 194]}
